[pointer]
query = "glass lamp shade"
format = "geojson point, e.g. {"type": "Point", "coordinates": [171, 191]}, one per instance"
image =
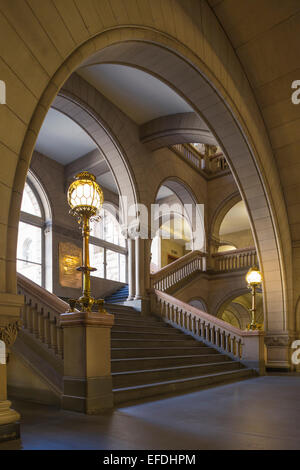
{"type": "Point", "coordinates": [253, 276]}
{"type": "Point", "coordinates": [85, 193]}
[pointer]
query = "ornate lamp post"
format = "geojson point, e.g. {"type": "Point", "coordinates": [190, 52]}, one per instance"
{"type": "Point", "coordinates": [254, 279]}
{"type": "Point", "coordinates": [85, 197]}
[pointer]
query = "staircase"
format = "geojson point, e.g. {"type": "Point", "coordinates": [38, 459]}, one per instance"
{"type": "Point", "coordinates": [121, 295]}
{"type": "Point", "coordinates": [149, 356]}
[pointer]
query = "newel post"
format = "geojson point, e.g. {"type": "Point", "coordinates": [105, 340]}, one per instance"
{"type": "Point", "coordinates": [87, 361]}
{"type": "Point", "coordinates": [253, 350]}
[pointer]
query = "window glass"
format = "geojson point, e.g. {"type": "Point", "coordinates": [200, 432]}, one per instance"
{"type": "Point", "coordinates": [30, 270]}
{"type": "Point", "coordinates": [108, 229]}
{"type": "Point", "coordinates": [122, 268]}
{"type": "Point", "coordinates": [97, 260]}
{"type": "Point", "coordinates": [29, 252]}
{"type": "Point", "coordinates": [112, 265]}
{"type": "Point", "coordinates": [29, 202]}
{"type": "Point", "coordinates": [29, 243]}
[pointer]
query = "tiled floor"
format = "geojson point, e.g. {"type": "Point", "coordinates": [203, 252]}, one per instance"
{"type": "Point", "coordinates": [260, 413]}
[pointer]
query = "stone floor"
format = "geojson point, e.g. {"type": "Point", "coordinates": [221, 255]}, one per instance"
{"type": "Point", "coordinates": [259, 413]}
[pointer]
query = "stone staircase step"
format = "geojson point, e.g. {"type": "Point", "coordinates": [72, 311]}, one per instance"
{"type": "Point", "coordinates": [140, 377]}
{"type": "Point", "coordinates": [135, 317]}
{"type": "Point", "coordinates": [126, 395]}
{"type": "Point", "coordinates": [158, 343]}
{"type": "Point", "coordinates": [127, 352]}
{"type": "Point", "coordinates": [167, 334]}
{"type": "Point", "coordinates": [133, 364]}
{"type": "Point", "coordinates": [149, 327]}
{"type": "Point", "coordinates": [132, 324]}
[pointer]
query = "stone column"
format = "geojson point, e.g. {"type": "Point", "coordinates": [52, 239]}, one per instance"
{"type": "Point", "coordinates": [131, 269]}
{"type": "Point", "coordinates": [139, 268]}
{"type": "Point", "coordinates": [87, 361]}
{"type": "Point", "coordinates": [147, 259]}
{"type": "Point", "coordinates": [10, 307]}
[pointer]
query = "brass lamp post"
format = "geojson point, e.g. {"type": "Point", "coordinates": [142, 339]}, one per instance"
{"type": "Point", "coordinates": [85, 197]}
{"type": "Point", "coordinates": [254, 279]}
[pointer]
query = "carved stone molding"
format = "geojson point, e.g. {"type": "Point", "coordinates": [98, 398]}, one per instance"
{"type": "Point", "coordinates": [277, 340]}
{"type": "Point", "coordinates": [9, 332]}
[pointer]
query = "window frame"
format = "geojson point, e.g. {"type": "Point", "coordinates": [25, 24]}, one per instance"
{"type": "Point", "coordinates": [112, 247]}
{"type": "Point", "coordinates": [39, 222]}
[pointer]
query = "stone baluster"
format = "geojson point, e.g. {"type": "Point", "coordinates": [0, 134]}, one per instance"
{"type": "Point", "coordinates": [35, 328]}
{"type": "Point", "coordinates": [227, 342]}
{"type": "Point", "coordinates": [47, 331]}
{"type": "Point", "coordinates": [40, 321]}
{"type": "Point", "coordinates": [25, 316]}
{"type": "Point", "coordinates": [232, 345]}
{"type": "Point", "coordinates": [202, 332]}
{"type": "Point", "coordinates": [53, 336]}
{"type": "Point", "coordinates": [59, 336]}
{"type": "Point", "coordinates": [212, 335]}
{"type": "Point", "coordinates": [30, 318]}
{"type": "Point", "coordinates": [206, 336]}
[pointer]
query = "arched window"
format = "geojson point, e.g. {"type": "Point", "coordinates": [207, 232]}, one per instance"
{"type": "Point", "coordinates": [30, 252]}
{"type": "Point", "coordinates": [34, 250]}
{"type": "Point", "coordinates": [108, 248]}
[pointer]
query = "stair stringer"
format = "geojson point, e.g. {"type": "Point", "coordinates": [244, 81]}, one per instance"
{"type": "Point", "coordinates": [44, 378]}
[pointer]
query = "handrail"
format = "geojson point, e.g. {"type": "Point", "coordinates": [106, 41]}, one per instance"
{"type": "Point", "coordinates": [243, 345]}
{"type": "Point", "coordinates": [179, 269]}
{"type": "Point", "coordinates": [40, 315]}
{"type": "Point", "coordinates": [49, 299]}
{"type": "Point", "coordinates": [192, 156]}
{"type": "Point", "coordinates": [234, 259]}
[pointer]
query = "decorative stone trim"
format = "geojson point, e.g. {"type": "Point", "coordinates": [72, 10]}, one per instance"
{"type": "Point", "coordinates": [278, 340]}
{"type": "Point", "coordinates": [9, 332]}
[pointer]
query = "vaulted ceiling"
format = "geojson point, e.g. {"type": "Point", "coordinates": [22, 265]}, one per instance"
{"type": "Point", "coordinates": [137, 93]}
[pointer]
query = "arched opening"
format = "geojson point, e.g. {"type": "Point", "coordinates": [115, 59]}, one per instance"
{"type": "Point", "coordinates": [232, 229]}
{"type": "Point", "coordinates": [177, 224]}
{"type": "Point", "coordinates": [198, 303]}
{"type": "Point", "coordinates": [243, 157]}
{"type": "Point", "coordinates": [72, 140]}
{"type": "Point", "coordinates": [236, 310]}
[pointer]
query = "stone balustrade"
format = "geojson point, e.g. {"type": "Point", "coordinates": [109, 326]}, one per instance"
{"type": "Point", "coordinates": [216, 163]}
{"type": "Point", "coordinates": [180, 269]}
{"type": "Point", "coordinates": [209, 164]}
{"type": "Point", "coordinates": [234, 259]}
{"type": "Point", "coordinates": [189, 154]}
{"type": "Point", "coordinates": [40, 315]}
{"type": "Point", "coordinates": [242, 345]}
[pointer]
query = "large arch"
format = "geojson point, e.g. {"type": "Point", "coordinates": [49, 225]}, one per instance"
{"type": "Point", "coordinates": [229, 109]}
{"type": "Point", "coordinates": [73, 107]}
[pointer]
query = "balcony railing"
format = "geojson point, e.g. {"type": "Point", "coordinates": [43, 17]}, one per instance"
{"type": "Point", "coordinates": [234, 259]}
{"type": "Point", "coordinates": [208, 164]}
{"type": "Point", "coordinates": [180, 269]}
{"type": "Point", "coordinates": [40, 316]}
{"type": "Point", "coordinates": [242, 345]}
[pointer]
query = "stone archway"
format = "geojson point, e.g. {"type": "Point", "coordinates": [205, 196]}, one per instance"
{"type": "Point", "coordinates": [236, 145]}
{"type": "Point", "coordinates": [226, 111]}
{"type": "Point", "coordinates": [105, 140]}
